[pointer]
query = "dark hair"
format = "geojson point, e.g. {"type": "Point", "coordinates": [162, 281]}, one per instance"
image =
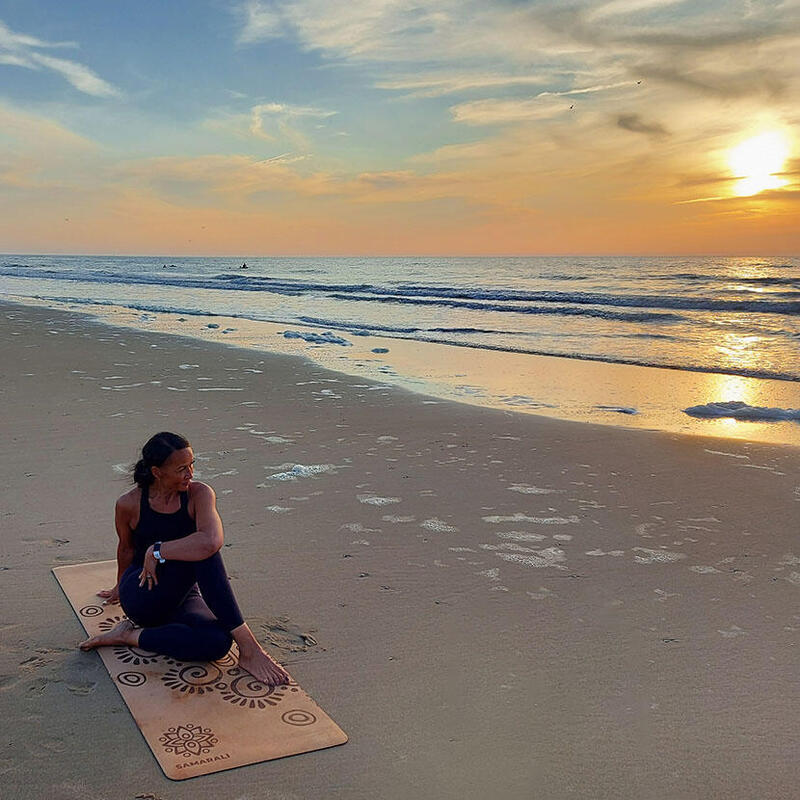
{"type": "Point", "coordinates": [156, 451]}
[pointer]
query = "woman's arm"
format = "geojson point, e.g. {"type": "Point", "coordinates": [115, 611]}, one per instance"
{"type": "Point", "coordinates": [197, 546]}
{"type": "Point", "coordinates": [125, 548]}
{"type": "Point", "coordinates": [209, 535]}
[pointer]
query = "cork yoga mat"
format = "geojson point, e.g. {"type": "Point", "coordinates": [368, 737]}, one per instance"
{"type": "Point", "coordinates": [196, 717]}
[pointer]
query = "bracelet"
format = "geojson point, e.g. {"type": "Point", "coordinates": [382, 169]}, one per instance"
{"type": "Point", "coordinates": [157, 553]}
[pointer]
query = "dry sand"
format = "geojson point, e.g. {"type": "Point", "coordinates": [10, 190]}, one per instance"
{"type": "Point", "coordinates": [504, 606]}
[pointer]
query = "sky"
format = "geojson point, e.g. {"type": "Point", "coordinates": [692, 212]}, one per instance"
{"type": "Point", "coordinates": [382, 127]}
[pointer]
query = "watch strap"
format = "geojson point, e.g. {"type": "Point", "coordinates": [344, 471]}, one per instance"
{"type": "Point", "coordinates": [157, 553]}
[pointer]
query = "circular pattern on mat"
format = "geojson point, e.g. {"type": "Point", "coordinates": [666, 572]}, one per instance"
{"type": "Point", "coordinates": [227, 661]}
{"type": "Point", "coordinates": [297, 716]}
{"type": "Point", "coordinates": [245, 691]}
{"type": "Point", "coordinates": [194, 679]}
{"type": "Point", "coordinates": [109, 622]}
{"type": "Point", "coordinates": [131, 678]}
{"type": "Point", "coordinates": [91, 611]}
{"type": "Point", "coordinates": [135, 656]}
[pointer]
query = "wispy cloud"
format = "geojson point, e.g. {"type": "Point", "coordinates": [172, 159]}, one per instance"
{"type": "Point", "coordinates": [544, 105]}
{"type": "Point", "coordinates": [21, 50]}
{"type": "Point", "coordinates": [282, 116]}
{"type": "Point", "coordinates": [259, 22]}
{"type": "Point", "coordinates": [436, 85]}
{"type": "Point", "coordinates": [618, 7]}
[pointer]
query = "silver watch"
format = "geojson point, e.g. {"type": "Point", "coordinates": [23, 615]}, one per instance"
{"type": "Point", "coordinates": [157, 553]}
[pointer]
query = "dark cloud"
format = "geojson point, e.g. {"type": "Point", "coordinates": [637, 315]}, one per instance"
{"type": "Point", "coordinates": [674, 55]}
{"type": "Point", "coordinates": [704, 180]}
{"type": "Point", "coordinates": [635, 124]}
{"type": "Point", "coordinates": [758, 81]}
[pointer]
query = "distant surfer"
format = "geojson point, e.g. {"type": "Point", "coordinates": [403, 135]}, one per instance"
{"type": "Point", "coordinates": [244, 266]}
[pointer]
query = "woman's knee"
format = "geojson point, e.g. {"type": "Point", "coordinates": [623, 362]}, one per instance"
{"type": "Point", "coordinates": [216, 644]}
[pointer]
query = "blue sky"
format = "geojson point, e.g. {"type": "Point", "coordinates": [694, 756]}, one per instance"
{"type": "Point", "coordinates": [450, 125]}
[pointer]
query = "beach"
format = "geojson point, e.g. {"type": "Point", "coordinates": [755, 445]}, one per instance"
{"type": "Point", "coordinates": [504, 605]}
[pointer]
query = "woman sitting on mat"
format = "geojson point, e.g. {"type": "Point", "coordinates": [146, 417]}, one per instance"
{"type": "Point", "coordinates": [171, 581]}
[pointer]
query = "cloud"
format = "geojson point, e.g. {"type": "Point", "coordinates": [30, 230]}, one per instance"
{"type": "Point", "coordinates": [269, 121]}
{"type": "Point", "coordinates": [635, 124]}
{"type": "Point", "coordinates": [493, 112]}
{"type": "Point", "coordinates": [720, 84]}
{"type": "Point", "coordinates": [617, 7]}
{"type": "Point", "coordinates": [21, 50]}
{"type": "Point", "coordinates": [259, 23]}
{"type": "Point", "coordinates": [544, 105]}
{"type": "Point", "coordinates": [436, 85]}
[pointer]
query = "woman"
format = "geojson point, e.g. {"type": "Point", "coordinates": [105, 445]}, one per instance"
{"type": "Point", "coordinates": [171, 581]}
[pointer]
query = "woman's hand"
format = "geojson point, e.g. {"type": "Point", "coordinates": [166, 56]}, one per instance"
{"type": "Point", "coordinates": [148, 574]}
{"type": "Point", "coordinates": [109, 595]}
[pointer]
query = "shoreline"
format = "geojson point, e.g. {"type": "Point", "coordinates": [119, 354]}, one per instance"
{"type": "Point", "coordinates": [504, 604]}
{"type": "Point", "coordinates": [626, 396]}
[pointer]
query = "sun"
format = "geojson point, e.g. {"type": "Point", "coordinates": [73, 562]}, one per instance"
{"type": "Point", "coordinates": [757, 162]}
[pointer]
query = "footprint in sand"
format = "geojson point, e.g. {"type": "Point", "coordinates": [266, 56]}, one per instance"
{"type": "Point", "coordinates": [81, 689]}
{"type": "Point", "coordinates": [284, 634]}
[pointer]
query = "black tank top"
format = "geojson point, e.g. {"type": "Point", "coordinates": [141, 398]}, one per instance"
{"type": "Point", "coordinates": [156, 526]}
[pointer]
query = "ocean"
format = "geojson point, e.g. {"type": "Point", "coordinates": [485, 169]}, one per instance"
{"type": "Point", "coordinates": [685, 321]}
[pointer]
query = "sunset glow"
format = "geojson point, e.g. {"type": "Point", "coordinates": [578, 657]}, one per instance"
{"type": "Point", "coordinates": [758, 161]}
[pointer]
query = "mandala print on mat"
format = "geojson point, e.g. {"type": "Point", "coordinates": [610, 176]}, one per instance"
{"type": "Point", "coordinates": [91, 611]}
{"type": "Point", "coordinates": [188, 740]}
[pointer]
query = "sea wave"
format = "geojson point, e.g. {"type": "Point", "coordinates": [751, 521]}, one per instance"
{"type": "Point", "coordinates": [421, 334]}
{"type": "Point", "coordinates": [415, 293]}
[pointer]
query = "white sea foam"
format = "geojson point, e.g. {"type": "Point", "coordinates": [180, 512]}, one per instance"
{"type": "Point", "coordinates": [522, 488]}
{"type": "Point", "coordinates": [357, 527]}
{"type": "Point", "coordinates": [656, 556]}
{"type": "Point", "coordinates": [373, 500]}
{"type": "Point", "coordinates": [549, 557]}
{"type": "Point", "coordinates": [122, 387]}
{"type": "Point", "coordinates": [508, 546]}
{"type": "Point", "coordinates": [723, 453]}
{"type": "Point", "coordinates": [438, 525]}
{"type": "Point", "coordinates": [521, 536]}
{"type": "Point", "coordinates": [538, 520]}
{"type": "Point", "coordinates": [733, 632]}
{"type": "Point", "coordinates": [736, 409]}
{"type": "Point", "coordinates": [618, 409]}
{"type": "Point", "coordinates": [302, 471]}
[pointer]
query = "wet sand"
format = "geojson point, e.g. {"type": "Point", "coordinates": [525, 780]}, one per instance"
{"type": "Point", "coordinates": [503, 605]}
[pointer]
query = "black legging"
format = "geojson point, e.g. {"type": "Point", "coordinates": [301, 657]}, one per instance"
{"type": "Point", "coordinates": [189, 614]}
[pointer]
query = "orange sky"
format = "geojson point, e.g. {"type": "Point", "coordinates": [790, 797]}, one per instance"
{"type": "Point", "coordinates": [604, 128]}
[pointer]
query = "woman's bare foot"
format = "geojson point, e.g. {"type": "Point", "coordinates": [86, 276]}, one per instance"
{"type": "Point", "coordinates": [124, 632]}
{"type": "Point", "coordinates": [262, 666]}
